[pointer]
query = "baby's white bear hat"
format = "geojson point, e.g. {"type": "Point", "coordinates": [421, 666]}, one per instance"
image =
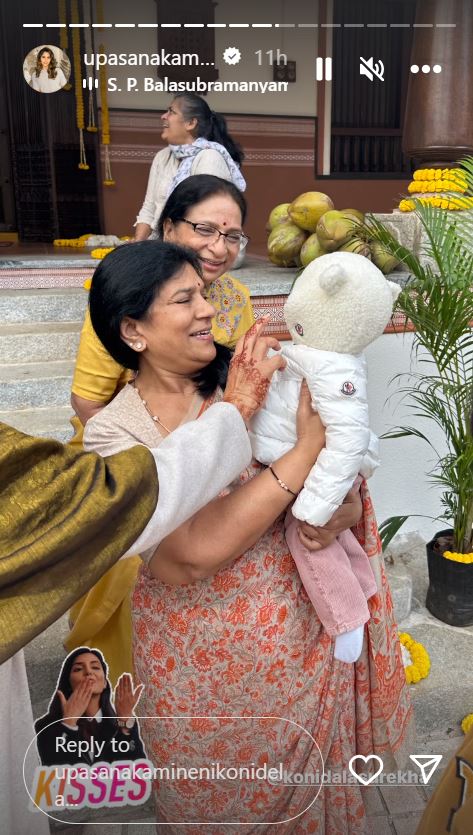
{"type": "Point", "coordinates": [341, 302]}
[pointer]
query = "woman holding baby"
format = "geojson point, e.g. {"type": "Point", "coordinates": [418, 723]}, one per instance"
{"type": "Point", "coordinates": [235, 663]}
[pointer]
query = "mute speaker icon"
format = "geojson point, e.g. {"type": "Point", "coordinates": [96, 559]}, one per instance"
{"type": "Point", "coordinates": [372, 70]}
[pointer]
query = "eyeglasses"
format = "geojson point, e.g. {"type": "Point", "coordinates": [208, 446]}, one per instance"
{"type": "Point", "coordinates": [214, 235]}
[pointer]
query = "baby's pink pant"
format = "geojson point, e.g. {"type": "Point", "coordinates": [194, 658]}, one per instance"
{"type": "Point", "coordinates": [338, 579]}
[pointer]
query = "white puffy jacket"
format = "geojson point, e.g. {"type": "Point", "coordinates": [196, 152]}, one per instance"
{"type": "Point", "coordinates": [337, 383]}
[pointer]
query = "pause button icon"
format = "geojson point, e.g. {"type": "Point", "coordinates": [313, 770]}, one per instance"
{"type": "Point", "coordinates": [323, 69]}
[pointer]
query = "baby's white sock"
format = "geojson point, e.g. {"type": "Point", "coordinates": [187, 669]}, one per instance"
{"type": "Point", "coordinates": [349, 645]}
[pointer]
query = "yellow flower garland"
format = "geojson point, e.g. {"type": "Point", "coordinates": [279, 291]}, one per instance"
{"type": "Point", "coordinates": [74, 242]}
{"type": "Point", "coordinates": [439, 174]}
{"type": "Point", "coordinates": [440, 183]}
{"type": "Point", "coordinates": [467, 559]}
{"type": "Point", "coordinates": [105, 118]}
{"type": "Point", "coordinates": [61, 9]}
{"type": "Point", "coordinates": [437, 185]}
{"type": "Point", "coordinates": [78, 83]}
{"type": "Point", "coordinates": [420, 666]}
{"type": "Point", "coordinates": [452, 204]}
{"type": "Point", "coordinates": [78, 242]}
{"type": "Point", "coordinates": [89, 73]}
{"type": "Point", "coordinates": [102, 251]}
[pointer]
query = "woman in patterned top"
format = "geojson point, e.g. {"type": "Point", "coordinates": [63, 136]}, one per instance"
{"type": "Point", "coordinates": [205, 214]}
{"type": "Point", "coordinates": [238, 672]}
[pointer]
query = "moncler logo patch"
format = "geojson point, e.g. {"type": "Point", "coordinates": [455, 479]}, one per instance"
{"type": "Point", "coordinates": [348, 388]}
{"type": "Point", "coordinates": [299, 329]}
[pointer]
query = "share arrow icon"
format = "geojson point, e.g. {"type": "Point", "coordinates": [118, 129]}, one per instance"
{"type": "Point", "coordinates": [427, 763]}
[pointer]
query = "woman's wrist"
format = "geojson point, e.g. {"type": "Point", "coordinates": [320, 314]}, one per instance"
{"type": "Point", "coordinates": [309, 451]}
{"type": "Point", "coordinates": [281, 483]}
{"type": "Point", "coordinates": [293, 468]}
{"type": "Point", "coordinates": [70, 723]}
{"type": "Point", "coordinates": [306, 454]}
{"type": "Point", "coordinates": [142, 231]}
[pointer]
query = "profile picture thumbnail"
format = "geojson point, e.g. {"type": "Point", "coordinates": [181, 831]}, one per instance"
{"type": "Point", "coordinates": [46, 68]}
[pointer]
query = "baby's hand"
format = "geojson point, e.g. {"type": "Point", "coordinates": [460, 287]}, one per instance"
{"type": "Point", "coordinates": [347, 515]}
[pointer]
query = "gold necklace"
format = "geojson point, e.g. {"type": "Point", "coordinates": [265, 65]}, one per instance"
{"type": "Point", "coordinates": [145, 404]}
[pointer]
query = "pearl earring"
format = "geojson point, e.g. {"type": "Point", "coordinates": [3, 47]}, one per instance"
{"type": "Point", "coordinates": [138, 346]}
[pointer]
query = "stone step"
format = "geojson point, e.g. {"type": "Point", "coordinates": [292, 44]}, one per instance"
{"type": "Point", "coordinates": [43, 422]}
{"type": "Point", "coordinates": [41, 341]}
{"type": "Point", "coordinates": [62, 305]}
{"type": "Point", "coordinates": [35, 384]}
{"type": "Point", "coordinates": [401, 592]}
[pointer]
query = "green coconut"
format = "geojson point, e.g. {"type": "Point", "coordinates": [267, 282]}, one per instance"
{"type": "Point", "coordinates": [307, 209]}
{"type": "Point", "coordinates": [311, 250]}
{"type": "Point", "coordinates": [358, 246]}
{"type": "Point", "coordinates": [284, 244]}
{"type": "Point", "coordinates": [382, 258]}
{"type": "Point", "coordinates": [335, 229]}
{"type": "Point", "coordinates": [282, 262]}
{"type": "Point", "coordinates": [278, 215]}
{"type": "Point", "coordinates": [355, 213]}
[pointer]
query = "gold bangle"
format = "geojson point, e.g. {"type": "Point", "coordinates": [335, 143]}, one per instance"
{"type": "Point", "coordinates": [282, 483]}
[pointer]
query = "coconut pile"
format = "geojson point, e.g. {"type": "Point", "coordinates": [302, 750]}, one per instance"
{"type": "Point", "coordinates": [310, 226]}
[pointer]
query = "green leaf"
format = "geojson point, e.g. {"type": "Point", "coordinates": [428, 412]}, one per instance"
{"type": "Point", "coordinates": [438, 301]}
{"type": "Point", "coordinates": [389, 528]}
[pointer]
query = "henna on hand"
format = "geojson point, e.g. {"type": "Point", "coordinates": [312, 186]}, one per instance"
{"type": "Point", "coordinates": [246, 387]}
{"type": "Point", "coordinates": [251, 370]}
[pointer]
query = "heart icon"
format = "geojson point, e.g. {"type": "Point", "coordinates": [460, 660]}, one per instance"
{"type": "Point", "coordinates": [360, 777]}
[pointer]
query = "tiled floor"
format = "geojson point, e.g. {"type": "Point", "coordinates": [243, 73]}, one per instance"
{"type": "Point", "coordinates": [395, 810]}
{"type": "Point", "coordinates": [391, 811]}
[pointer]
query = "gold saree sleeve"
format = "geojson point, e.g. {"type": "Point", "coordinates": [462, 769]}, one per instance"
{"type": "Point", "coordinates": [66, 516]}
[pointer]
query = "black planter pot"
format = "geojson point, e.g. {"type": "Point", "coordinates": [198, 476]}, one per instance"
{"type": "Point", "coordinates": [450, 592]}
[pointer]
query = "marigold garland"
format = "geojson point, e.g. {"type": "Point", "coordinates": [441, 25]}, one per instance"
{"type": "Point", "coordinates": [467, 723]}
{"type": "Point", "coordinates": [91, 126]}
{"type": "Point", "coordinates": [452, 204]}
{"type": "Point", "coordinates": [424, 186]}
{"type": "Point", "coordinates": [105, 120]}
{"type": "Point", "coordinates": [74, 242]}
{"type": "Point", "coordinates": [440, 183]}
{"type": "Point", "coordinates": [78, 83]}
{"type": "Point", "coordinates": [467, 559]}
{"type": "Point", "coordinates": [61, 11]}
{"type": "Point", "coordinates": [82, 242]}
{"type": "Point", "coordinates": [102, 251]}
{"type": "Point", "coordinates": [420, 662]}
{"type": "Point", "coordinates": [439, 174]}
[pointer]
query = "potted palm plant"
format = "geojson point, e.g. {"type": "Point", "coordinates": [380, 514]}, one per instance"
{"type": "Point", "coordinates": [438, 301]}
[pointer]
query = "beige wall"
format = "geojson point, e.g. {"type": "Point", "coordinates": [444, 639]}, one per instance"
{"type": "Point", "coordinates": [298, 44]}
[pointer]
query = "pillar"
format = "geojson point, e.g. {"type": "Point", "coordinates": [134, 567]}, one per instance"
{"type": "Point", "coordinates": [438, 123]}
